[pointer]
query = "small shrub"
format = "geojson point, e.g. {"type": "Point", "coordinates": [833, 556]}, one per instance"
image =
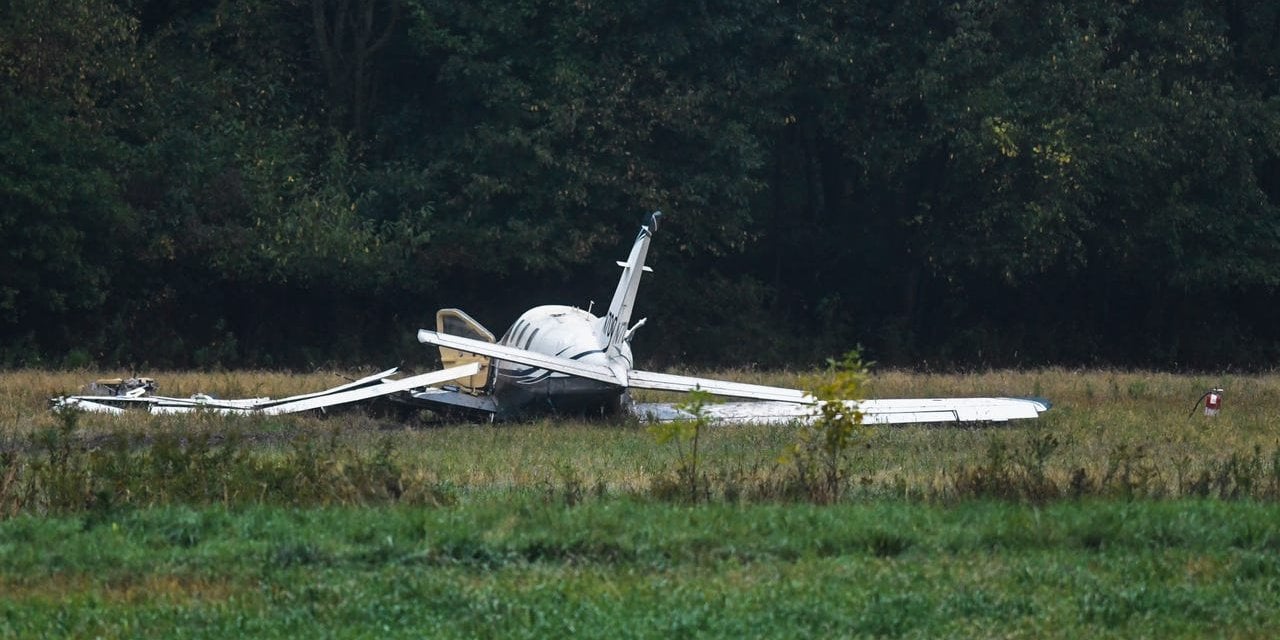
{"type": "Point", "coordinates": [58, 475]}
{"type": "Point", "coordinates": [1131, 473]}
{"type": "Point", "coordinates": [10, 498]}
{"type": "Point", "coordinates": [1017, 473]}
{"type": "Point", "coordinates": [885, 544]}
{"type": "Point", "coordinates": [571, 486]}
{"type": "Point", "coordinates": [686, 434]}
{"type": "Point", "coordinates": [822, 447]}
{"type": "Point", "coordinates": [991, 479]}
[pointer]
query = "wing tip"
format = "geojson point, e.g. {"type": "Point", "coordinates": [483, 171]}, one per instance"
{"type": "Point", "coordinates": [1042, 404]}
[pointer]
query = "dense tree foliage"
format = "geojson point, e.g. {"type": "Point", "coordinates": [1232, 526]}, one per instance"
{"type": "Point", "coordinates": [289, 182]}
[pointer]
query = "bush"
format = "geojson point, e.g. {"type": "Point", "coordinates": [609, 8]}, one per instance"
{"type": "Point", "coordinates": [821, 450]}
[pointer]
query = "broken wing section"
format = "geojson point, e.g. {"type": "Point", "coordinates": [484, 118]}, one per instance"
{"type": "Point", "coordinates": [884, 411]}
{"type": "Point", "coordinates": [671, 382]}
{"type": "Point", "coordinates": [386, 387]}
{"type": "Point", "coordinates": [892, 411]}
{"type": "Point", "coordinates": [363, 389]}
{"type": "Point", "coordinates": [763, 412]}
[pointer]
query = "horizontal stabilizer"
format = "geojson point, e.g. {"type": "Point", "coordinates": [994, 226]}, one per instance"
{"type": "Point", "coordinates": [646, 268]}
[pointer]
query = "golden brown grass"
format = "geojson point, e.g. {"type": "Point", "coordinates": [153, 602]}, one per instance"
{"type": "Point", "coordinates": [24, 393]}
{"type": "Point", "coordinates": [132, 590]}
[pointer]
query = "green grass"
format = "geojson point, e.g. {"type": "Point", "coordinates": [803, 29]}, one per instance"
{"type": "Point", "coordinates": [622, 568]}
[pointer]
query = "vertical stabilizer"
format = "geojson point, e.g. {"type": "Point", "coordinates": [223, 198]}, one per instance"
{"type": "Point", "coordinates": [615, 322]}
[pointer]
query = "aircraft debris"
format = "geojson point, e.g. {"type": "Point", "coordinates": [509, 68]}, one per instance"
{"type": "Point", "coordinates": [130, 387]}
{"type": "Point", "coordinates": [360, 390]}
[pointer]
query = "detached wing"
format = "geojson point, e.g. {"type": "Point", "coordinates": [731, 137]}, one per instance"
{"type": "Point", "coordinates": [727, 412]}
{"type": "Point", "coordinates": [950, 410]}
{"type": "Point", "coordinates": [387, 387]}
{"type": "Point", "coordinates": [354, 384]}
{"type": "Point", "coordinates": [364, 389]}
{"type": "Point", "coordinates": [908, 411]}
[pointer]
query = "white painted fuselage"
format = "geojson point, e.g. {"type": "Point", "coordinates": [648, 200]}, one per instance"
{"type": "Point", "coordinates": [565, 332]}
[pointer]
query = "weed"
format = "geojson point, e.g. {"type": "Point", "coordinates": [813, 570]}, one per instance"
{"type": "Point", "coordinates": [821, 448]}
{"type": "Point", "coordinates": [295, 554]}
{"type": "Point", "coordinates": [689, 478]}
{"type": "Point", "coordinates": [1080, 485]}
{"type": "Point", "coordinates": [885, 544]}
{"type": "Point", "coordinates": [1017, 474]}
{"type": "Point", "coordinates": [1033, 459]}
{"type": "Point", "coordinates": [571, 485]}
{"type": "Point", "coordinates": [59, 473]}
{"type": "Point", "coordinates": [1131, 473]}
{"type": "Point", "coordinates": [10, 499]}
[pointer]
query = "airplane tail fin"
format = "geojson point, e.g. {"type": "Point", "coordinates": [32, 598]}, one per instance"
{"type": "Point", "coordinates": [624, 297]}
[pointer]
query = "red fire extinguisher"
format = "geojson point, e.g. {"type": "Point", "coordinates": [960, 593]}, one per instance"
{"type": "Point", "coordinates": [1212, 400]}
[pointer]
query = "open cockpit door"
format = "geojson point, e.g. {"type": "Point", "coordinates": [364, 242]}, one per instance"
{"type": "Point", "coordinates": [456, 322]}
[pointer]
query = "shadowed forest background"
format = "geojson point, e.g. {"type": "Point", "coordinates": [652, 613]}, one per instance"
{"type": "Point", "coordinates": [288, 183]}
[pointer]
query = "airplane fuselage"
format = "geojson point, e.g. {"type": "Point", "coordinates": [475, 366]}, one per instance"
{"type": "Point", "coordinates": [565, 332]}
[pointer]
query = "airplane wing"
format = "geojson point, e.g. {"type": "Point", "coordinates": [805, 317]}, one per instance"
{"type": "Point", "coordinates": [116, 404]}
{"type": "Point", "coordinates": [354, 384]}
{"type": "Point", "coordinates": [634, 379]}
{"type": "Point", "coordinates": [86, 405]}
{"type": "Point", "coordinates": [670, 382]}
{"type": "Point", "coordinates": [884, 411]}
{"type": "Point", "coordinates": [387, 387]}
{"type": "Point", "coordinates": [887, 411]}
{"type": "Point", "coordinates": [777, 404]}
{"type": "Point", "coordinates": [364, 389]}
{"type": "Point", "coordinates": [774, 404]}
{"type": "Point", "coordinates": [522, 356]}
{"type": "Point", "coordinates": [155, 404]}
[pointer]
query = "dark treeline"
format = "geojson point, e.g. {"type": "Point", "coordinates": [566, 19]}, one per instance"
{"type": "Point", "coordinates": [987, 183]}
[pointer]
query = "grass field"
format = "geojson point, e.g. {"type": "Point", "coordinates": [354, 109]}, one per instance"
{"type": "Point", "coordinates": [1109, 433]}
{"type": "Point", "coordinates": [1113, 515]}
{"type": "Point", "coordinates": [621, 568]}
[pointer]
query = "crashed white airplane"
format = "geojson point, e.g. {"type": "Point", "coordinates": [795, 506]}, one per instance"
{"type": "Point", "coordinates": [559, 359]}
{"type": "Point", "coordinates": [563, 359]}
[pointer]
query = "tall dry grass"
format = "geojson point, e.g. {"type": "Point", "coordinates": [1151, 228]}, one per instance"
{"type": "Point", "coordinates": [24, 393]}
{"type": "Point", "coordinates": [1108, 433]}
